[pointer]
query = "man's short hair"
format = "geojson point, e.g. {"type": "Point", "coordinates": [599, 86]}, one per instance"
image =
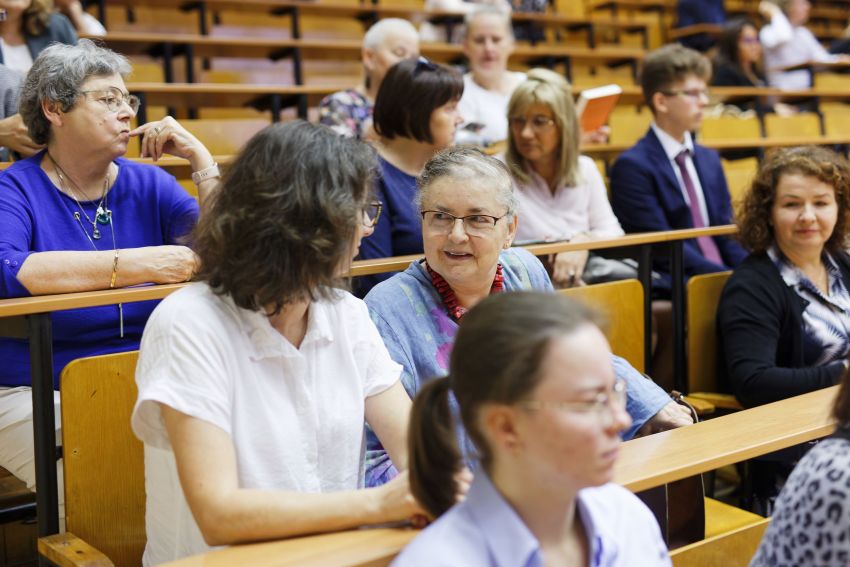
{"type": "Point", "coordinates": [668, 65]}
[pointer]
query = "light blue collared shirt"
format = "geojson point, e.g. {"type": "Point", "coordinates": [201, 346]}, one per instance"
{"type": "Point", "coordinates": [485, 531]}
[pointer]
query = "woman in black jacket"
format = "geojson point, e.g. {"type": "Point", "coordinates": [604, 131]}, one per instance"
{"type": "Point", "coordinates": [784, 316]}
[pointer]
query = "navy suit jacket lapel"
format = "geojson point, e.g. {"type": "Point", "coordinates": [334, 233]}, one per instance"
{"type": "Point", "coordinates": [706, 179]}
{"type": "Point", "coordinates": [670, 183]}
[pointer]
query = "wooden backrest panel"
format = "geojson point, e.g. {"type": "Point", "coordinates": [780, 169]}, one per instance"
{"type": "Point", "coordinates": [622, 303]}
{"type": "Point", "coordinates": [732, 549]}
{"type": "Point", "coordinates": [805, 124]}
{"type": "Point", "coordinates": [703, 296]}
{"type": "Point", "coordinates": [103, 460]}
{"type": "Point", "coordinates": [729, 127]}
{"type": "Point", "coordinates": [222, 136]}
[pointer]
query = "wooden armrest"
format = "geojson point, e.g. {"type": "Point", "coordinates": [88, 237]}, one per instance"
{"type": "Point", "coordinates": [722, 401]}
{"type": "Point", "coordinates": [67, 550]}
{"type": "Point", "coordinates": [702, 407]}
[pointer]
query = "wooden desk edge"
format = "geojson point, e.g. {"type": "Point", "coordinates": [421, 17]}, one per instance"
{"type": "Point", "coordinates": [58, 302]}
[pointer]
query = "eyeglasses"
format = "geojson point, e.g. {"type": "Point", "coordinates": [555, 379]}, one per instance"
{"type": "Point", "coordinates": [371, 213]}
{"type": "Point", "coordinates": [749, 40]}
{"type": "Point", "coordinates": [423, 64]}
{"type": "Point", "coordinates": [474, 225]}
{"type": "Point", "coordinates": [113, 97]}
{"type": "Point", "coordinates": [695, 94]}
{"type": "Point", "coordinates": [600, 405]}
{"type": "Point", "coordinates": [538, 122]}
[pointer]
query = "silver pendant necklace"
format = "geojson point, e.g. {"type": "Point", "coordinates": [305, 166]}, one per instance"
{"type": "Point", "coordinates": [103, 216]}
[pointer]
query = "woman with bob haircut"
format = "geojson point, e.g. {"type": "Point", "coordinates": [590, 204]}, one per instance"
{"type": "Point", "coordinates": [784, 316]}
{"type": "Point", "coordinates": [561, 194]}
{"type": "Point", "coordinates": [532, 376]}
{"type": "Point", "coordinates": [810, 523]}
{"type": "Point", "coordinates": [255, 381]}
{"type": "Point", "coordinates": [415, 116]}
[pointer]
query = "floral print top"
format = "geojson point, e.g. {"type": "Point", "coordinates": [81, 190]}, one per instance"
{"type": "Point", "coordinates": [348, 113]}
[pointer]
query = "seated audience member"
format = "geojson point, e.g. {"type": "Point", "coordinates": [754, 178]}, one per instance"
{"type": "Point", "coordinates": [469, 217]}
{"type": "Point", "coordinates": [738, 62]}
{"type": "Point", "coordinates": [79, 217]}
{"type": "Point", "coordinates": [13, 131]}
{"type": "Point", "coordinates": [561, 194]}
{"type": "Point", "coordinates": [693, 12]}
{"type": "Point", "coordinates": [787, 41]}
{"type": "Point", "coordinates": [437, 31]}
{"type": "Point", "coordinates": [810, 522]}
{"type": "Point", "coordinates": [254, 383]}
{"type": "Point", "coordinates": [666, 181]}
{"type": "Point", "coordinates": [416, 116]}
{"type": "Point", "coordinates": [82, 21]}
{"type": "Point", "coordinates": [532, 377]}
{"type": "Point", "coordinates": [487, 87]}
{"type": "Point", "coordinates": [30, 26]}
{"type": "Point", "coordinates": [349, 112]}
{"type": "Point", "coordinates": [784, 316]}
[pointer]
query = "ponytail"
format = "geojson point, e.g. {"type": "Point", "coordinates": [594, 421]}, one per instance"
{"type": "Point", "coordinates": [435, 458]}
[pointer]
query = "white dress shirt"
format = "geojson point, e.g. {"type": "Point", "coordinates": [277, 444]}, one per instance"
{"type": "Point", "coordinates": [786, 45]}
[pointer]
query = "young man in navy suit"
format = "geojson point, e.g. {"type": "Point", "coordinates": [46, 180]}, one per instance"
{"type": "Point", "coordinates": [666, 181]}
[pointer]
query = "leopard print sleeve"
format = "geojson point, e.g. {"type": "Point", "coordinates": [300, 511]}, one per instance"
{"type": "Point", "coordinates": [811, 521]}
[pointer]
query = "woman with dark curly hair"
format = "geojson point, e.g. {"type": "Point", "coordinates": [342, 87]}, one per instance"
{"type": "Point", "coordinates": [784, 316]}
{"type": "Point", "coordinates": [30, 26]}
{"type": "Point", "coordinates": [254, 383]}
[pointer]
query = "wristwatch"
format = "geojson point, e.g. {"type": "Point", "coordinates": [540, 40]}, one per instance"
{"type": "Point", "coordinates": [200, 176]}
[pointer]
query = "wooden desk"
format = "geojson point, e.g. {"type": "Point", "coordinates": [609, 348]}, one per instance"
{"type": "Point", "coordinates": [169, 45]}
{"type": "Point", "coordinates": [355, 548]}
{"type": "Point", "coordinates": [680, 453]}
{"type": "Point", "coordinates": [192, 96]}
{"type": "Point", "coordinates": [643, 463]}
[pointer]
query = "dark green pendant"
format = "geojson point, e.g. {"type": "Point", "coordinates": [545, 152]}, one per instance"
{"type": "Point", "coordinates": [103, 216]}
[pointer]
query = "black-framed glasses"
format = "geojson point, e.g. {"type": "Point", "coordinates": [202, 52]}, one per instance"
{"type": "Point", "coordinates": [538, 122]}
{"type": "Point", "coordinates": [474, 225]}
{"type": "Point", "coordinates": [113, 97]}
{"type": "Point", "coordinates": [371, 213]}
{"type": "Point", "coordinates": [599, 406]}
{"type": "Point", "coordinates": [423, 64]}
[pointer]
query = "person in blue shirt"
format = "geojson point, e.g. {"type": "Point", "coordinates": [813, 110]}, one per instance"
{"type": "Point", "coordinates": [537, 394]}
{"type": "Point", "coordinates": [418, 311]}
{"type": "Point", "coordinates": [415, 117]}
{"type": "Point", "coordinates": [77, 216]}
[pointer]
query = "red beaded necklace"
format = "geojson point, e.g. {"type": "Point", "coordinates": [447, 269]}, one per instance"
{"type": "Point", "coordinates": [448, 296]}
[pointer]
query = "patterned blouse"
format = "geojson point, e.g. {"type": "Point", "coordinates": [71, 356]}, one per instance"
{"type": "Point", "coordinates": [826, 318]}
{"type": "Point", "coordinates": [347, 112]}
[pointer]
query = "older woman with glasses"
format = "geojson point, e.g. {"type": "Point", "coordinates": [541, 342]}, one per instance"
{"type": "Point", "coordinates": [531, 374]}
{"type": "Point", "coordinates": [79, 217]}
{"type": "Point", "coordinates": [469, 217]}
{"type": "Point", "coordinates": [561, 194]}
{"type": "Point", "coordinates": [415, 116]}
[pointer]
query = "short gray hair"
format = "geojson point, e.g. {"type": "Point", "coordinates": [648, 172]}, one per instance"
{"type": "Point", "coordinates": [378, 32]}
{"type": "Point", "coordinates": [57, 75]}
{"type": "Point", "coordinates": [492, 10]}
{"type": "Point", "coordinates": [468, 162]}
